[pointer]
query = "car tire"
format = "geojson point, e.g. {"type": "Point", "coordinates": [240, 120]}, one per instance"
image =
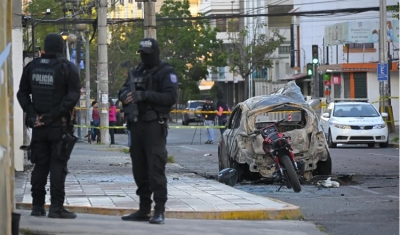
{"type": "Point", "coordinates": [371, 145]}
{"type": "Point", "coordinates": [324, 167]}
{"type": "Point", "coordinates": [384, 145]}
{"type": "Point", "coordinates": [238, 167]}
{"type": "Point", "coordinates": [330, 141]}
{"type": "Point", "coordinates": [223, 161]}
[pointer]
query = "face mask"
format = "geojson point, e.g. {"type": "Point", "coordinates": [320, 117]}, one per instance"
{"type": "Point", "coordinates": [149, 60]}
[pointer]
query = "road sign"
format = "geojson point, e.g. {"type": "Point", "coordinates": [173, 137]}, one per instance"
{"type": "Point", "coordinates": [382, 72]}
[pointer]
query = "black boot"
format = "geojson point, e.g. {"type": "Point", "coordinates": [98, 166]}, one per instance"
{"type": "Point", "coordinates": [137, 216]}
{"type": "Point", "coordinates": [60, 213]}
{"type": "Point", "coordinates": [157, 218]}
{"type": "Point", "coordinates": [38, 211]}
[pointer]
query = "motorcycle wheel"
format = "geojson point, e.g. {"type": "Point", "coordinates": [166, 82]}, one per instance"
{"type": "Point", "coordinates": [291, 173]}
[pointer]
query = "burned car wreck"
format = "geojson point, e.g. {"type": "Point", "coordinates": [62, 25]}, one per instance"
{"type": "Point", "coordinates": [238, 150]}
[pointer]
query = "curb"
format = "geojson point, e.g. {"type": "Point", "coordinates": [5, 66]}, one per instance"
{"type": "Point", "coordinates": [393, 145]}
{"type": "Point", "coordinates": [290, 212]}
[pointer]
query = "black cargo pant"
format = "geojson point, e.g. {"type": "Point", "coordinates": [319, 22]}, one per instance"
{"type": "Point", "coordinates": [45, 141]}
{"type": "Point", "coordinates": [149, 158]}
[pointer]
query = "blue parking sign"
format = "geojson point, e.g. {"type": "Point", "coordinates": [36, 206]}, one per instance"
{"type": "Point", "coordinates": [382, 72]}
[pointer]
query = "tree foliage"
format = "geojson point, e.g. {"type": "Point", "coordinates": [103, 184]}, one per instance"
{"type": "Point", "coordinates": [190, 46]}
{"type": "Point", "coordinates": [248, 57]}
{"type": "Point", "coordinates": [395, 10]}
{"type": "Point", "coordinates": [123, 45]}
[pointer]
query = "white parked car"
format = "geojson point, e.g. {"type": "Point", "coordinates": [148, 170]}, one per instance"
{"type": "Point", "coordinates": [354, 123]}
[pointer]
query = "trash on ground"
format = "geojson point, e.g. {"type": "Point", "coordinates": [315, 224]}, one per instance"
{"type": "Point", "coordinates": [228, 176]}
{"type": "Point", "coordinates": [328, 183]}
{"type": "Point", "coordinates": [115, 164]}
{"type": "Point", "coordinates": [207, 154]}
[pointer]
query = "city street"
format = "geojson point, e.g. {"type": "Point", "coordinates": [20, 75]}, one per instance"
{"type": "Point", "coordinates": [369, 204]}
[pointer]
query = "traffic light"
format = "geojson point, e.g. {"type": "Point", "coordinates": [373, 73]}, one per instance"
{"type": "Point", "coordinates": [315, 51]}
{"type": "Point", "coordinates": [309, 69]}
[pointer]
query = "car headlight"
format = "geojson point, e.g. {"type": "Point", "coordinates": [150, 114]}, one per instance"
{"type": "Point", "coordinates": [380, 126]}
{"type": "Point", "coordinates": [342, 126]}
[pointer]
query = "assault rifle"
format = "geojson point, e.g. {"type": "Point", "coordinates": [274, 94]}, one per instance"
{"type": "Point", "coordinates": [131, 110]}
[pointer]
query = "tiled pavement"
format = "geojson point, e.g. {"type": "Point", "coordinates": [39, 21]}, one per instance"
{"type": "Point", "coordinates": [185, 193]}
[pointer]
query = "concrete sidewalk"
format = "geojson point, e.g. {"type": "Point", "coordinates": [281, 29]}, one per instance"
{"type": "Point", "coordinates": [87, 224]}
{"type": "Point", "coordinates": [101, 182]}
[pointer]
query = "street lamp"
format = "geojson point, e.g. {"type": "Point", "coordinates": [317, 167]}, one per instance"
{"type": "Point", "coordinates": [64, 36]}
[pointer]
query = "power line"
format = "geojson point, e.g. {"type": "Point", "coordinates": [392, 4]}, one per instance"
{"type": "Point", "coordinates": [302, 13]}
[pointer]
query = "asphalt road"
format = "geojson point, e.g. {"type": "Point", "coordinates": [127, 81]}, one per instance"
{"type": "Point", "coordinates": [367, 205]}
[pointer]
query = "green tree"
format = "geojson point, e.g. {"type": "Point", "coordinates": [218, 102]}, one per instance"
{"type": "Point", "coordinates": [123, 45]}
{"type": "Point", "coordinates": [190, 46]}
{"type": "Point", "coordinates": [248, 57]}
{"type": "Point", "coordinates": [395, 10]}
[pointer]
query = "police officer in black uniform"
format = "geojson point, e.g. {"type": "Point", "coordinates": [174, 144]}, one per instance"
{"type": "Point", "coordinates": [156, 92]}
{"type": "Point", "coordinates": [54, 84]}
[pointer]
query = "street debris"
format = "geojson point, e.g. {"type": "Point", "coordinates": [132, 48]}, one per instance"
{"type": "Point", "coordinates": [228, 176]}
{"type": "Point", "coordinates": [119, 164]}
{"type": "Point", "coordinates": [328, 183]}
{"type": "Point", "coordinates": [207, 154]}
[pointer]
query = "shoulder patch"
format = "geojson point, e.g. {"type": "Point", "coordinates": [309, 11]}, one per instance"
{"type": "Point", "coordinates": [173, 77]}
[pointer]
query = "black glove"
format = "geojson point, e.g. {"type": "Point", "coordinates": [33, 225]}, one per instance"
{"type": "Point", "coordinates": [46, 119]}
{"type": "Point", "coordinates": [30, 117]}
{"type": "Point", "coordinates": [139, 96]}
{"type": "Point", "coordinates": [124, 95]}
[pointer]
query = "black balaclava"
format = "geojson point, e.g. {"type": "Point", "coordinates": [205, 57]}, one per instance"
{"type": "Point", "coordinates": [149, 52]}
{"type": "Point", "coordinates": [54, 44]}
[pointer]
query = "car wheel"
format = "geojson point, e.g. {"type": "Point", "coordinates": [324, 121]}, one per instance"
{"type": "Point", "coordinates": [223, 161]}
{"type": "Point", "coordinates": [324, 167]}
{"type": "Point", "coordinates": [384, 145]}
{"type": "Point", "coordinates": [330, 141]}
{"type": "Point", "coordinates": [371, 145]}
{"type": "Point", "coordinates": [238, 167]}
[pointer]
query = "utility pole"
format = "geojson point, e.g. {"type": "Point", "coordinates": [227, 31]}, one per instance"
{"type": "Point", "coordinates": [149, 19]}
{"type": "Point", "coordinates": [382, 52]}
{"type": "Point", "coordinates": [87, 78]}
{"type": "Point", "coordinates": [102, 70]}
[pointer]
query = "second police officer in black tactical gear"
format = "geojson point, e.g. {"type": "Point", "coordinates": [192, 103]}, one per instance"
{"type": "Point", "coordinates": [156, 91]}
{"type": "Point", "coordinates": [48, 91]}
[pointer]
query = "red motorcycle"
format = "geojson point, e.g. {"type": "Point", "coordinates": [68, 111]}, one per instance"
{"type": "Point", "coordinates": [278, 146]}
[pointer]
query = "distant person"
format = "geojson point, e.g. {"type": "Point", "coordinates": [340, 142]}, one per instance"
{"type": "Point", "coordinates": [96, 122]}
{"type": "Point", "coordinates": [221, 108]}
{"type": "Point", "coordinates": [209, 119]}
{"type": "Point", "coordinates": [112, 119]}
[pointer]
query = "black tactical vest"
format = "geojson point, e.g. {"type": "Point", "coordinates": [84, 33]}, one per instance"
{"type": "Point", "coordinates": [48, 83]}
{"type": "Point", "coordinates": [151, 81]}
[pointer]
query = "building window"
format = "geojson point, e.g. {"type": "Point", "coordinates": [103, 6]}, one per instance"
{"type": "Point", "coordinates": [130, 1]}
{"type": "Point", "coordinates": [260, 73]}
{"type": "Point", "coordinates": [279, 21]}
{"type": "Point", "coordinates": [284, 50]}
{"type": "Point", "coordinates": [233, 25]}
{"type": "Point", "coordinates": [360, 46]}
{"type": "Point", "coordinates": [221, 73]}
{"type": "Point", "coordinates": [221, 25]}
{"type": "Point", "coordinates": [121, 2]}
